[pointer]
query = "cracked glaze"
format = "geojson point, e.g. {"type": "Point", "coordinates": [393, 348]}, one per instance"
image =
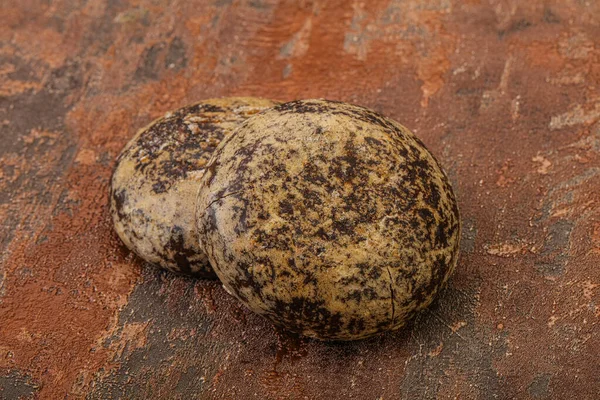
{"type": "Point", "coordinates": [329, 219]}
{"type": "Point", "coordinates": [155, 182]}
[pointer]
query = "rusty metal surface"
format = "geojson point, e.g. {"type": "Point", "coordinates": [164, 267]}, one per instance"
{"type": "Point", "coordinates": [505, 93]}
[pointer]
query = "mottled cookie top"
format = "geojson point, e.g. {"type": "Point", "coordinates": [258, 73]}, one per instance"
{"type": "Point", "coordinates": [157, 175]}
{"type": "Point", "coordinates": [183, 140]}
{"type": "Point", "coordinates": [328, 218]}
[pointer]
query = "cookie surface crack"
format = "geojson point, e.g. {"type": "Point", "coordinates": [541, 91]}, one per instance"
{"type": "Point", "coordinates": [221, 198]}
{"type": "Point", "coordinates": [392, 297]}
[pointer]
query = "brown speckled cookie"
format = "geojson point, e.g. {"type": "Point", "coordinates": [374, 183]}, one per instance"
{"type": "Point", "coordinates": [156, 180]}
{"type": "Point", "coordinates": [330, 219]}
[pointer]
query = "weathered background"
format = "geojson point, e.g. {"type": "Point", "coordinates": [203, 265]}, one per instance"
{"type": "Point", "coordinates": [505, 93]}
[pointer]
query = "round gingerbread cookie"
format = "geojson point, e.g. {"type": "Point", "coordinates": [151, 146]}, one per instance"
{"type": "Point", "coordinates": [329, 219]}
{"type": "Point", "coordinates": [154, 185]}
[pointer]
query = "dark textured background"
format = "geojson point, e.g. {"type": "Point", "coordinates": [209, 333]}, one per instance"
{"type": "Point", "coordinates": [505, 93]}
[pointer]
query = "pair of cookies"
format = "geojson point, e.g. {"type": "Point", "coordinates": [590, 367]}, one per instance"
{"type": "Point", "coordinates": [327, 218]}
